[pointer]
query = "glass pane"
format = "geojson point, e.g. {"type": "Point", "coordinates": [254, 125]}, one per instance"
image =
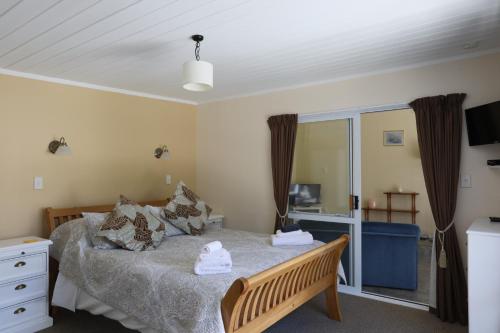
{"type": "Point", "coordinates": [330, 231]}
{"type": "Point", "coordinates": [321, 177]}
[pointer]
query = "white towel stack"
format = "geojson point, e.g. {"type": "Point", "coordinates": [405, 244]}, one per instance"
{"type": "Point", "coordinates": [213, 259]}
{"type": "Point", "coordinates": [297, 237]}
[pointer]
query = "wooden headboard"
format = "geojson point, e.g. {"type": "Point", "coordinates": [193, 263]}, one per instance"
{"type": "Point", "coordinates": [57, 216]}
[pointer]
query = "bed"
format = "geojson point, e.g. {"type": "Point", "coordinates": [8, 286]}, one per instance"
{"type": "Point", "coordinates": [158, 289]}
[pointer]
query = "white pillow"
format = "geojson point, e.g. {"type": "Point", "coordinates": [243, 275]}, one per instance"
{"type": "Point", "coordinates": [94, 222]}
{"type": "Point", "coordinates": [170, 229]}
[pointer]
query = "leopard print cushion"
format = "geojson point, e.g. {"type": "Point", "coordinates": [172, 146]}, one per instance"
{"type": "Point", "coordinates": [186, 211]}
{"type": "Point", "coordinates": [132, 227]}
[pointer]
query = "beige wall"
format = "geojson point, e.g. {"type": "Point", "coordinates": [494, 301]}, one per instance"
{"type": "Point", "coordinates": [385, 168]}
{"type": "Point", "coordinates": [233, 159]}
{"type": "Point", "coordinates": [112, 137]}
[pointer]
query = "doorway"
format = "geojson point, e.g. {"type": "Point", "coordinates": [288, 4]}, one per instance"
{"type": "Point", "coordinates": [332, 180]}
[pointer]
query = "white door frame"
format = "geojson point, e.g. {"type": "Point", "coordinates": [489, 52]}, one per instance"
{"type": "Point", "coordinates": [355, 115]}
{"type": "Point", "coordinates": [355, 174]}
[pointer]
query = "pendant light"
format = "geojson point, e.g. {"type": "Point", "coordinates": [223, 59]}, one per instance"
{"type": "Point", "coordinates": [198, 74]}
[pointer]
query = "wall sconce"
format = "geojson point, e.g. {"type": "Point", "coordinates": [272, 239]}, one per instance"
{"type": "Point", "coordinates": [162, 152]}
{"type": "Point", "coordinates": [59, 147]}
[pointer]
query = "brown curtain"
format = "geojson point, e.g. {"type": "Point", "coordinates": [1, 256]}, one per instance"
{"type": "Point", "coordinates": [283, 134]}
{"type": "Point", "coordinates": [439, 128]}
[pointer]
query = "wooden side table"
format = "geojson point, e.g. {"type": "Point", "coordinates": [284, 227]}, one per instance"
{"type": "Point", "coordinates": [389, 209]}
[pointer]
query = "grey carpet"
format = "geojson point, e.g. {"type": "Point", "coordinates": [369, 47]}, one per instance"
{"type": "Point", "coordinates": [421, 295]}
{"type": "Point", "coordinates": [360, 315]}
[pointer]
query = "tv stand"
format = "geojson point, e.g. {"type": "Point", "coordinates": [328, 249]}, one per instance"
{"type": "Point", "coordinates": [307, 209]}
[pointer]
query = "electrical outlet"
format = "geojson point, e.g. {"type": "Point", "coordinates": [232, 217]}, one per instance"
{"type": "Point", "coordinates": [168, 179]}
{"type": "Point", "coordinates": [38, 183]}
{"type": "Point", "coordinates": [465, 181]}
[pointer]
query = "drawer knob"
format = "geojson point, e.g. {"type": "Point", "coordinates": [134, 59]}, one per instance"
{"type": "Point", "coordinates": [20, 287]}
{"type": "Point", "coordinates": [20, 310]}
{"type": "Point", "coordinates": [20, 264]}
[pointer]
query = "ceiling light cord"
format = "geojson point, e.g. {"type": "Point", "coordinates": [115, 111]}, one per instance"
{"type": "Point", "coordinates": [197, 51]}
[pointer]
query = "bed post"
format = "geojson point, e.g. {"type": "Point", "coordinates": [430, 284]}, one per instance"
{"type": "Point", "coordinates": [332, 296]}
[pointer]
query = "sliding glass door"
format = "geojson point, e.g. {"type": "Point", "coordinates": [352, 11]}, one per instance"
{"type": "Point", "coordinates": [324, 195]}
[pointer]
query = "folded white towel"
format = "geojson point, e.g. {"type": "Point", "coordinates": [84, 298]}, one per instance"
{"type": "Point", "coordinates": [303, 239]}
{"type": "Point", "coordinates": [200, 269]}
{"type": "Point", "coordinates": [211, 266]}
{"type": "Point", "coordinates": [213, 259]}
{"type": "Point", "coordinates": [280, 233]}
{"type": "Point", "coordinates": [221, 256]}
{"type": "Point", "coordinates": [211, 247]}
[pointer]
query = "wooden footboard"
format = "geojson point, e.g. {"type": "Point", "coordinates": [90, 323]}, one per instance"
{"type": "Point", "coordinates": [254, 304]}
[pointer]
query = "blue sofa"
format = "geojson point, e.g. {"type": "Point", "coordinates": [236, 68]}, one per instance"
{"type": "Point", "coordinates": [390, 254]}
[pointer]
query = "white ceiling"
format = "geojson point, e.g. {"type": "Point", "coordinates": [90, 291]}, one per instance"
{"type": "Point", "coordinates": [255, 45]}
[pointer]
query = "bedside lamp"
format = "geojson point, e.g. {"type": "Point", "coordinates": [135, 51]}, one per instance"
{"type": "Point", "coordinates": [59, 147]}
{"type": "Point", "coordinates": [162, 152]}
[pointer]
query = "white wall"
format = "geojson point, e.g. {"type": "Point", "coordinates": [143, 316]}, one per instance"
{"type": "Point", "coordinates": [233, 142]}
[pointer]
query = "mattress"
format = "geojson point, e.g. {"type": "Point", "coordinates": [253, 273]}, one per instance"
{"type": "Point", "coordinates": [159, 287]}
{"type": "Point", "coordinates": [67, 295]}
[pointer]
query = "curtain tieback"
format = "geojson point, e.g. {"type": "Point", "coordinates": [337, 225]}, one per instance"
{"type": "Point", "coordinates": [442, 262]}
{"type": "Point", "coordinates": [282, 217]}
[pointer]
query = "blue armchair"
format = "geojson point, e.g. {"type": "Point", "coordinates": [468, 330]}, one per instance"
{"type": "Point", "coordinates": [390, 254]}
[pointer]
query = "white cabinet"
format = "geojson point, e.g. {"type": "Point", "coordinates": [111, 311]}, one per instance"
{"type": "Point", "coordinates": [24, 284]}
{"type": "Point", "coordinates": [215, 222]}
{"type": "Point", "coordinates": [483, 239]}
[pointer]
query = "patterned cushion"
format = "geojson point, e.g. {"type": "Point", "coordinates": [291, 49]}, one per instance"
{"type": "Point", "coordinates": [186, 211]}
{"type": "Point", "coordinates": [94, 221]}
{"type": "Point", "coordinates": [132, 227]}
{"type": "Point", "coordinates": [170, 229]}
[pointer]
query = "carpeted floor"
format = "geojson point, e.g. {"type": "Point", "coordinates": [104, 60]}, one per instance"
{"type": "Point", "coordinates": [360, 315]}
{"type": "Point", "coordinates": [421, 295]}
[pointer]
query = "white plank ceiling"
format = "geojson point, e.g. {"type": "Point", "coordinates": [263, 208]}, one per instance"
{"type": "Point", "coordinates": [255, 45]}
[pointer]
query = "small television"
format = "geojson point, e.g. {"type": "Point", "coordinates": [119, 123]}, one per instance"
{"type": "Point", "coordinates": [483, 124]}
{"type": "Point", "coordinates": [304, 194]}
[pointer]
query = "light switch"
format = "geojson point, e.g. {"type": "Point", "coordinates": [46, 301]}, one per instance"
{"type": "Point", "coordinates": [38, 183]}
{"type": "Point", "coordinates": [168, 179]}
{"type": "Point", "coordinates": [465, 181]}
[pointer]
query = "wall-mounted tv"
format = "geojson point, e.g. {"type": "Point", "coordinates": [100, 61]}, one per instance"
{"type": "Point", "coordinates": [483, 124]}
{"type": "Point", "coordinates": [304, 194]}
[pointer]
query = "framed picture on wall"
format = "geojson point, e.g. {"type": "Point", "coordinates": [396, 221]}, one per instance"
{"type": "Point", "coordinates": [394, 138]}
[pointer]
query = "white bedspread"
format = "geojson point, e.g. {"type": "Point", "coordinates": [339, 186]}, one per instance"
{"type": "Point", "coordinates": [159, 287]}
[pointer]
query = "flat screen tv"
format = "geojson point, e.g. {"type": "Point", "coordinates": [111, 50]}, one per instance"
{"type": "Point", "coordinates": [483, 124]}
{"type": "Point", "coordinates": [304, 194]}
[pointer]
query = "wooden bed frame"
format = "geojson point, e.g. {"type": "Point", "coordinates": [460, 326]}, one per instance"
{"type": "Point", "coordinates": [255, 303]}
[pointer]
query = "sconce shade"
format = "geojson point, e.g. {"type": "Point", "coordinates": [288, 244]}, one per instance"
{"type": "Point", "coordinates": [198, 75]}
{"type": "Point", "coordinates": [162, 152]}
{"type": "Point", "coordinates": [63, 150]}
{"type": "Point", "coordinates": [59, 147]}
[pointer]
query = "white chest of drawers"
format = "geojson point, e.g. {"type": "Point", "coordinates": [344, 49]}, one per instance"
{"type": "Point", "coordinates": [24, 273]}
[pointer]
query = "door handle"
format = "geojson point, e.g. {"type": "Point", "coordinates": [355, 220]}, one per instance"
{"type": "Point", "coordinates": [354, 202]}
